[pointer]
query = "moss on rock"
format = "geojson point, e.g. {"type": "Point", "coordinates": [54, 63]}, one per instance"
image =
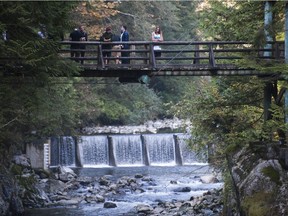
{"type": "Point", "coordinates": [272, 174]}
{"type": "Point", "coordinates": [259, 204]}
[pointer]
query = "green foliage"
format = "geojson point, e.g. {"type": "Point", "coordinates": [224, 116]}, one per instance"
{"type": "Point", "coordinates": [16, 169]}
{"type": "Point", "coordinates": [227, 111]}
{"type": "Point", "coordinates": [128, 104]}
{"type": "Point", "coordinates": [272, 174]}
{"type": "Point", "coordinates": [31, 105]}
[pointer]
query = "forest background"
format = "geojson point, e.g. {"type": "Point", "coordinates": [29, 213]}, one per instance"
{"type": "Point", "coordinates": [222, 110]}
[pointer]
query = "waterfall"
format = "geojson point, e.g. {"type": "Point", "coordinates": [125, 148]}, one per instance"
{"type": "Point", "coordinates": [128, 150]}
{"type": "Point", "coordinates": [122, 150]}
{"type": "Point", "coordinates": [189, 156]}
{"type": "Point", "coordinates": [93, 151]}
{"type": "Point", "coordinates": [161, 149]}
{"type": "Point", "coordinates": [63, 151]}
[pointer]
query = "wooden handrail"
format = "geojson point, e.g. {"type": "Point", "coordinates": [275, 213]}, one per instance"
{"type": "Point", "coordinates": [175, 56]}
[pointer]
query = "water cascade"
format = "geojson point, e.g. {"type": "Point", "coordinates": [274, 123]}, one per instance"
{"type": "Point", "coordinates": [93, 151]}
{"type": "Point", "coordinates": [161, 149]}
{"type": "Point", "coordinates": [122, 150]}
{"type": "Point", "coordinates": [128, 150]}
{"type": "Point", "coordinates": [63, 151]}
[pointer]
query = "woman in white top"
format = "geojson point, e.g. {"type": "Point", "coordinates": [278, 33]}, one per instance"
{"type": "Point", "coordinates": [157, 37]}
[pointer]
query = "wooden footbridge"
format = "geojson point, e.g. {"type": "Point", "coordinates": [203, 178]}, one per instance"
{"type": "Point", "coordinates": [178, 58]}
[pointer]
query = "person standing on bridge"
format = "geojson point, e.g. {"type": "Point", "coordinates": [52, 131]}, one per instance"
{"type": "Point", "coordinates": [74, 37]}
{"type": "Point", "coordinates": [124, 38]}
{"type": "Point", "coordinates": [84, 37]}
{"type": "Point", "coordinates": [157, 36]}
{"type": "Point", "coordinates": [107, 37]}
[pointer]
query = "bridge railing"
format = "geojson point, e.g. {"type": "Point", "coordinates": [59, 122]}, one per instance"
{"type": "Point", "coordinates": [141, 54]}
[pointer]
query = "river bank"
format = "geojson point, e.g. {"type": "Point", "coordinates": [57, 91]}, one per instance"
{"type": "Point", "coordinates": [119, 191]}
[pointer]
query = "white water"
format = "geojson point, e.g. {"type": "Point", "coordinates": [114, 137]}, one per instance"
{"type": "Point", "coordinates": [161, 149]}
{"type": "Point", "coordinates": [123, 151]}
{"type": "Point", "coordinates": [128, 150]}
{"type": "Point", "coordinates": [93, 151]}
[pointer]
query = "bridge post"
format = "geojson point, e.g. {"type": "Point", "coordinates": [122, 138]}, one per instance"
{"type": "Point", "coordinates": [268, 88]}
{"type": "Point", "coordinates": [100, 56]}
{"type": "Point", "coordinates": [211, 56]}
{"type": "Point", "coordinates": [196, 55]}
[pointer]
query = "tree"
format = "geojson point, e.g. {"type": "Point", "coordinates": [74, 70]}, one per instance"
{"type": "Point", "coordinates": [31, 105]}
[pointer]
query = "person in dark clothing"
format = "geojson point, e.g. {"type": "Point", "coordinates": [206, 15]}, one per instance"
{"type": "Point", "coordinates": [107, 37]}
{"type": "Point", "coordinates": [84, 37]}
{"type": "Point", "coordinates": [75, 36]}
{"type": "Point", "coordinates": [125, 37]}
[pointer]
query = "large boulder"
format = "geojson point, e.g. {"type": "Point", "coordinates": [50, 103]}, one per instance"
{"type": "Point", "coordinates": [66, 174]}
{"type": "Point", "coordinates": [208, 179]}
{"type": "Point", "coordinates": [260, 182]}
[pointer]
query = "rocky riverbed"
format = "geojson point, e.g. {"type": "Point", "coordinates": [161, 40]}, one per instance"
{"type": "Point", "coordinates": [64, 189]}
{"type": "Point", "coordinates": [148, 127]}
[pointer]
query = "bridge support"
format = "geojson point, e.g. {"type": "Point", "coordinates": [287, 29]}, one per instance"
{"type": "Point", "coordinates": [267, 100]}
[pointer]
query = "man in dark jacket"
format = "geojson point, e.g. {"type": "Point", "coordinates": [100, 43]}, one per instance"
{"type": "Point", "coordinates": [75, 36]}
{"type": "Point", "coordinates": [107, 37]}
{"type": "Point", "coordinates": [125, 37]}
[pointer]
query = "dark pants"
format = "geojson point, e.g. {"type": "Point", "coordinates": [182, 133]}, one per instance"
{"type": "Point", "coordinates": [75, 53]}
{"type": "Point", "coordinates": [82, 55]}
{"type": "Point", "coordinates": [125, 54]}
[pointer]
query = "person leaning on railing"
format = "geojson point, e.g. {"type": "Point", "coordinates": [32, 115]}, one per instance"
{"type": "Point", "coordinates": [157, 36]}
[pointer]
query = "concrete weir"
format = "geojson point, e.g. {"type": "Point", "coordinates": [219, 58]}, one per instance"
{"type": "Point", "coordinates": [114, 150]}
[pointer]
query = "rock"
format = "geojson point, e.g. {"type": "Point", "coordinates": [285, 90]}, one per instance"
{"type": "Point", "coordinates": [257, 181]}
{"type": "Point", "coordinates": [138, 176]}
{"type": "Point", "coordinates": [21, 160]}
{"type": "Point", "coordinates": [182, 189]}
{"type": "Point", "coordinates": [65, 202]}
{"type": "Point", "coordinates": [208, 179]}
{"type": "Point", "coordinates": [99, 198]}
{"type": "Point", "coordinates": [53, 186]}
{"type": "Point", "coordinates": [149, 126]}
{"type": "Point", "coordinates": [104, 181]}
{"type": "Point", "coordinates": [16, 206]}
{"type": "Point", "coordinates": [66, 174]}
{"type": "Point", "coordinates": [143, 208]}
{"type": "Point", "coordinates": [85, 180]}
{"type": "Point", "coordinates": [64, 170]}
{"type": "Point", "coordinates": [109, 205]}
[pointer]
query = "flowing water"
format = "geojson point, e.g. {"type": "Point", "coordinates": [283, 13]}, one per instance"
{"type": "Point", "coordinates": [186, 176]}
{"type": "Point", "coordinates": [166, 158]}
